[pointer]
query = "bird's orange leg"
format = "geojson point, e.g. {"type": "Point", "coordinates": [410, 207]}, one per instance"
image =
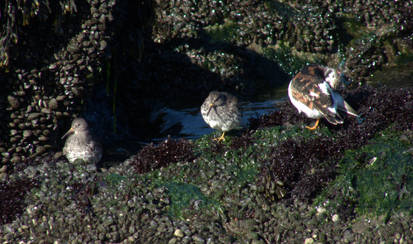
{"type": "Point", "coordinates": [314, 126]}
{"type": "Point", "coordinates": [221, 138]}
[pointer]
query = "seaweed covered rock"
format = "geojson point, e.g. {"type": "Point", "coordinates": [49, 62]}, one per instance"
{"type": "Point", "coordinates": [305, 165]}
{"type": "Point", "coordinates": [53, 55]}
{"type": "Point", "coordinates": [153, 157]}
{"type": "Point", "coordinates": [365, 35]}
{"type": "Point", "coordinates": [12, 196]}
{"type": "Point", "coordinates": [243, 23]}
{"type": "Point", "coordinates": [228, 191]}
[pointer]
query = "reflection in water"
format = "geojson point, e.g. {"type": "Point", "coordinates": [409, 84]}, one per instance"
{"type": "Point", "coordinates": [188, 123]}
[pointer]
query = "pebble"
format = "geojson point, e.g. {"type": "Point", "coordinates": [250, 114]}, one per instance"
{"type": "Point", "coordinates": [14, 103]}
{"type": "Point", "coordinates": [335, 218]}
{"type": "Point", "coordinates": [33, 116]}
{"type": "Point", "coordinates": [103, 45]}
{"type": "Point", "coordinates": [45, 110]}
{"type": "Point", "coordinates": [320, 210]}
{"type": "Point", "coordinates": [13, 132]}
{"type": "Point", "coordinates": [60, 98]}
{"type": "Point", "coordinates": [309, 240]}
{"type": "Point", "coordinates": [27, 133]}
{"type": "Point", "coordinates": [3, 169]}
{"type": "Point", "coordinates": [53, 104]}
{"type": "Point", "coordinates": [15, 159]}
{"type": "Point", "coordinates": [172, 241]}
{"type": "Point", "coordinates": [40, 149]}
{"type": "Point", "coordinates": [197, 239]}
{"type": "Point", "coordinates": [348, 236]}
{"type": "Point", "coordinates": [5, 154]}
{"type": "Point", "coordinates": [3, 176]}
{"type": "Point", "coordinates": [43, 138]}
{"type": "Point", "coordinates": [178, 233]}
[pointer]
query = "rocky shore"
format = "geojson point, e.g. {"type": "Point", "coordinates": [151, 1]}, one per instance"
{"type": "Point", "coordinates": [113, 61]}
{"type": "Point", "coordinates": [275, 182]}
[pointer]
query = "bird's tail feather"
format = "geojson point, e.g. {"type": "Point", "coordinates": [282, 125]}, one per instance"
{"type": "Point", "coordinates": [334, 119]}
{"type": "Point", "coordinates": [348, 109]}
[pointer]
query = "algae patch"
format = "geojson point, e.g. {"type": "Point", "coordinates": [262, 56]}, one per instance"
{"type": "Point", "coordinates": [184, 196]}
{"type": "Point", "coordinates": [227, 32]}
{"type": "Point", "coordinates": [114, 179]}
{"type": "Point", "coordinates": [376, 179]}
{"type": "Point", "coordinates": [395, 76]}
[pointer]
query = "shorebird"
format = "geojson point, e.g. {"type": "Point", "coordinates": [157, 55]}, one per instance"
{"type": "Point", "coordinates": [312, 91]}
{"type": "Point", "coordinates": [220, 111]}
{"type": "Point", "coordinates": [80, 144]}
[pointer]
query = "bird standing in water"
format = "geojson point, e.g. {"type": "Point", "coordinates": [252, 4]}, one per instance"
{"type": "Point", "coordinates": [220, 110]}
{"type": "Point", "coordinates": [80, 144]}
{"type": "Point", "coordinates": [312, 91]}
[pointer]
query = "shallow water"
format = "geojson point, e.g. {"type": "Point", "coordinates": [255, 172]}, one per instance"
{"type": "Point", "coordinates": [188, 123]}
{"type": "Point", "coordinates": [400, 76]}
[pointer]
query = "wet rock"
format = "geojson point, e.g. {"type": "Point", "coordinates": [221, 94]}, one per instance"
{"type": "Point", "coordinates": [33, 116]}
{"type": "Point", "coordinates": [15, 159]}
{"type": "Point", "coordinates": [309, 240]}
{"type": "Point", "coordinates": [178, 233]}
{"type": "Point", "coordinates": [307, 25]}
{"type": "Point", "coordinates": [53, 105]}
{"type": "Point", "coordinates": [43, 138]}
{"type": "Point", "coordinates": [3, 168]}
{"type": "Point", "coordinates": [27, 133]}
{"type": "Point", "coordinates": [13, 102]}
{"type": "Point", "coordinates": [173, 241]}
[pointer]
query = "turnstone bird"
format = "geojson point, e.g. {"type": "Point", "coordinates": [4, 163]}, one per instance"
{"type": "Point", "coordinates": [80, 144]}
{"type": "Point", "coordinates": [220, 111]}
{"type": "Point", "coordinates": [312, 91]}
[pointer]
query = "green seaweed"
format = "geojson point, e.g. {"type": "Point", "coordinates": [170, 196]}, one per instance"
{"type": "Point", "coordinates": [244, 168]}
{"type": "Point", "coordinates": [377, 178]}
{"type": "Point", "coordinates": [282, 9]}
{"type": "Point", "coordinates": [183, 194]}
{"type": "Point", "coordinates": [404, 58]}
{"type": "Point", "coordinates": [395, 76]}
{"type": "Point", "coordinates": [226, 32]}
{"type": "Point", "coordinates": [114, 179]}
{"type": "Point", "coordinates": [277, 134]}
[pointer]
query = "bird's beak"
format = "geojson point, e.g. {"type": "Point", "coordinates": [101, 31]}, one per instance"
{"type": "Point", "coordinates": [210, 107]}
{"type": "Point", "coordinates": [70, 131]}
{"type": "Point", "coordinates": [343, 80]}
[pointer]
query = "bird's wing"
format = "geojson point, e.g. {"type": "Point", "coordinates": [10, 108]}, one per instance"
{"type": "Point", "coordinates": [316, 93]}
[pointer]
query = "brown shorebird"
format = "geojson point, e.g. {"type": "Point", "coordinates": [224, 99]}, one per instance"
{"type": "Point", "coordinates": [312, 91]}
{"type": "Point", "coordinates": [80, 144]}
{"type": "Point", "coordinates": [220, 111]}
